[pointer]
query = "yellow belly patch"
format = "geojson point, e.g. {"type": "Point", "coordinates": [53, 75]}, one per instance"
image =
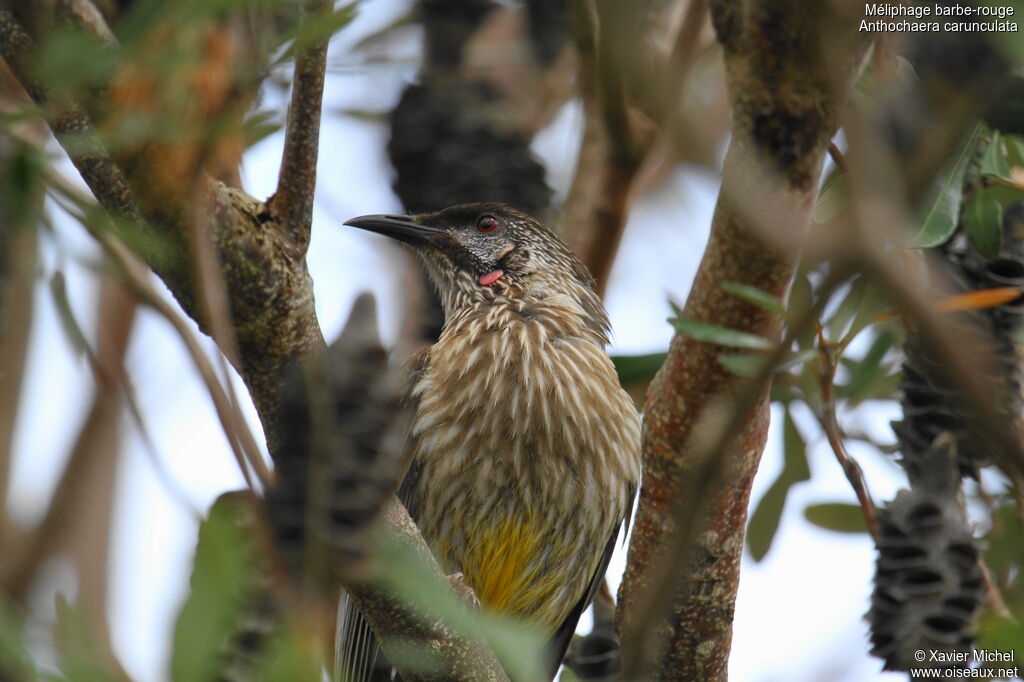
{"type": "Point", "coordinates": [504, 567]}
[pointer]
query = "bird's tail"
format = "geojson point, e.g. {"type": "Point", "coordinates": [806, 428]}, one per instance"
{"type": "Point", "coordinates": [357, 656]}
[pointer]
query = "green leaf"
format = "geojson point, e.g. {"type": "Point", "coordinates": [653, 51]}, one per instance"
{"type": "Point", "coordinates": [746, 366]}
{"type": "Point", "coordinates": [794, 450]}
{"type": "Point", "coordinates": [847, 308]}
{"type": "Point", "coordinates": [993, 161]}
{"type": "Point", "coordinates": [998, 633]}
{"type": "Point", "coordinates": [833, 197]}
{"type": "Point", "coordinates": [73, 330]}
{"type": "Point", "coordinates": [866, 373]}
{"type": "Point", "coordinates": [837, 516]}
{"type": "Point", "coordinates": [15, 659]}
{"type": "Point", "coordinates": [874, 301]}
{"type": "Point", "coordinates": [762, 299]}
{"type": "Point", "coordinates": [322, 26]}
{"type": "Point", "coordinates": [260, 126]}
{"type": "Point", "coordinates": [749, 366]}
{"type": "Point", "coordinates": [1014, 148]}
{"type": "Point", "coordinates": [223, 583]}
{"type": "Point", "coordinates": [78, 651]}
{"type": "Point", "coordinates": [1005, 541]}
{"type": "Point", "coordinates": [722, 336]}
{"type": "Point", "coordinates": [677, 310]}
{"type": "Point", "coordinates": [939, 219]}
{"type": "Point", "coordinates": [518, 645]}
{"type": "Point", "coordinates": [635, 369]}
{"type": "Point", "coordinates": [764, 521]}
{"type": "Point", "coordinates": [983, 223]}
{"type": "Point", "coordinates": [287, 658]}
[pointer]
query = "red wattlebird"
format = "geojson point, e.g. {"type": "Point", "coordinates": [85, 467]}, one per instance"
{"type": "Point", "coordinates": [525, 449]}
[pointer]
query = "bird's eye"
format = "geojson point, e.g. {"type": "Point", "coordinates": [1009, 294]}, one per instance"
{"type": "Point", "coordinates": [486, 224]}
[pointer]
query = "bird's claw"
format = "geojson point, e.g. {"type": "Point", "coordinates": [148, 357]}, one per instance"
{"type": "Point", "coordinates": [468, 595]}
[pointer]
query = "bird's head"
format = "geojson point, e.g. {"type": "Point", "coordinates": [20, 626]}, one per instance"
{"type": "Point", "coordinates": [478, 253]}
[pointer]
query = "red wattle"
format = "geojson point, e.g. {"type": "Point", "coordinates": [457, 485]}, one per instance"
{"type": "Point", "coordinates": [491, 277]}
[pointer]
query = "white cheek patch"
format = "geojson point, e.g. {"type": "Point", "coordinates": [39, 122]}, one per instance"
{"type": "Point", "coordinates": [504, 250]}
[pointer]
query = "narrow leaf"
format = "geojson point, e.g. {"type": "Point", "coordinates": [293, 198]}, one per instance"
{"type": "Point", "coordinates": [980, 300]}
{"type": "Point", "coordinates": [81, 658]}
{"type": "Point", "coordinates": [939, 219]}
{"type": "Point", "coordinates": [73, 330]}
{"type": "Point", "coordinates": [746, 366]}
{"type": "Point", "coordinates": [868, 371]}
{"type": "Point", "coordinates": [764, 520]}
{"type": "Point", "coordinates": [15, 659]}
{"type": "Point", "coordinates": [993, 161]}
{"type": "Point", "coordinates": [837, 516]}
{"type": "Point", "coordinates": [983, 223]}
{"type": "Point", "coordinates": [223, 582]}
{"type": "Point", "coordinates": [833, 197]}
{"type": "Point", "coordinates": [635, 369]}
{"type": "Point", "coordinates": [794, 450]}
{"type": "Point", "coordinates": [722, 336]}
{"type": "Point", "coordinates": [873, 303]}
{"type": "Point", "coordinates": [762, 299]}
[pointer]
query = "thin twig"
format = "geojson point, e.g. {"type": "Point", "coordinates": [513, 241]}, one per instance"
{"type": "Point", "coordinates": [837, 157]}
{"type": "Point", "coordinates": [834, 433]}
{"type": "Point", "coordinates": [292, 202]}
{"type": "Point", "coordinates": [135, 276]}
{"type": "Point", "coordinates": [995, 599]}
{"type": "Point", "coordinates": [214, 310]}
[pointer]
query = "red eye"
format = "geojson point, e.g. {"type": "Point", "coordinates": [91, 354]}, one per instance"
{"type": "Point", "coordinates": [486, 224]}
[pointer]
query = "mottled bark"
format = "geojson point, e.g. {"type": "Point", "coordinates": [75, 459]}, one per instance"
{"type": "Point", "coordinates": [205, 239]}
{"type": "Point", "coordinates": [786, 90]}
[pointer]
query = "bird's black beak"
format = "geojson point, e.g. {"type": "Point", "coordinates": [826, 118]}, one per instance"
{"type": "Point", "coordinates": [403, 228]}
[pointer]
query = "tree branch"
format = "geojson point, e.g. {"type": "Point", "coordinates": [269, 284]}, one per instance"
{"type": "Point", "coordinates": [292, 202]}
{"type": "Point", "coordinates": [613, 44]}
{"type": "Point", "coordinates": [780, 135]}
{"type": "Point", "coordinates": [452, 655]}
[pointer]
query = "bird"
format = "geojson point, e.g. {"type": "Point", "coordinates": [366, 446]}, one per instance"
{"type": "Point", "coordinates": [525, 449]}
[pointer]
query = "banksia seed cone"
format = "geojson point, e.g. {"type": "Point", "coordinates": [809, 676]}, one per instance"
{"type": "Point", "coordinates": [340, 454]}
{"type": "Point", "coordinates": [928, 584]}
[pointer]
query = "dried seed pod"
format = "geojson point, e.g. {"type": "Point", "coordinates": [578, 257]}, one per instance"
{"type": "Point", "coordinates": [928, 584]}
{"type": "Point", "coordinates": [341, 452]}
{"type": "Point", "coordinates": [481, 161]}
{"type": "Point", "coordinates": [932, 399]}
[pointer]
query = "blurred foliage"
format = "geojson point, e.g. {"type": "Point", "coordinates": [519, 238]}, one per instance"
{"type": "Point", "coordinates": [173, 79]}
{"type": "Point", "coordinates": [836, 516]}
{"type": "Point", "coordinates": [942, 207]}
{"type": "Point", "coordinates": [224, 580]}
{"type": "Point", "coordinates": [860, 332]}
{"type": "Point", "coordinates": [78, 651]}
{"type": "Point", "coordinates": [764, 520]}
{"type": "Point", "coordinates": [15, 660]}
{"type": "Point", "coordinates": [518, 646]}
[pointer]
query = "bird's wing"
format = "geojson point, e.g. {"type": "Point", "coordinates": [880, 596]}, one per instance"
{"type": "Point", "coordinates": [563, 636]}
{"type": "Point", "coordinates": [357, 653]}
